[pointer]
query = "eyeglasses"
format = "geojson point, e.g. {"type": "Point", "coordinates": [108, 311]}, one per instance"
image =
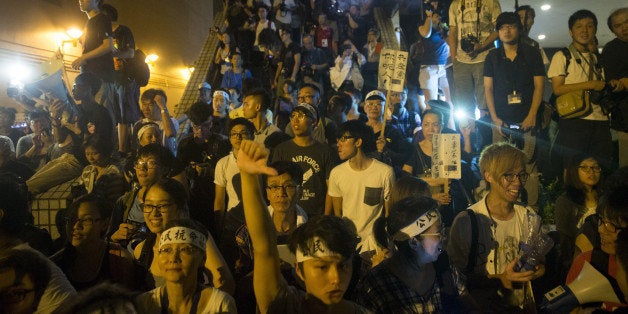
{"type": "Point", "coordinates": [14, 295]}
{"type": "Point", "coordinates": [298, 116]}
{"type": "Point", "coordinates": [608, 226]}
{"type": "Point", "coordinates": [302, 98]}
{"type": "Point", "coordinates": [85, 222]}
{"type": "Point", "coordinates": [522, 176]}
{"type": "Point", "coordinates": [240, 135]}
{"type": "Point", "coordinates": [291, 188]}
{"type": "Point", "coordinates": [149, 164]}
{"type": "Point", "coordinates": [589, 169]}
{"type": "Point", "coordinates": [162, 208]}
{"type": "Point", "coordinates": [187, 251]}
{"type": "Point", "coordinates": [344, 138]}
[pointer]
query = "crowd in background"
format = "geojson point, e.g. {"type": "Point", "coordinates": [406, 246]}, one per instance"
{"type": "Point", "coordinates": [299, 186]}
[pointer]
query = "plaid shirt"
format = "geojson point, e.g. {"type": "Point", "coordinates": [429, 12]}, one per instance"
{"type": "Point", "coordinates": [406, 122]}
{"type": "Point", "coordinates": [382, 291]}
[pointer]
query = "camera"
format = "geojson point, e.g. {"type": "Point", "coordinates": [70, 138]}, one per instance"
{"type": "Point", "coordinates": [346, 47]}
{"type": "Point", "coordinates": [605, 98]}
{"type": "Point", "coordinates": [467, 43]}
{"type": "Point", "coordinates": [306, 69]}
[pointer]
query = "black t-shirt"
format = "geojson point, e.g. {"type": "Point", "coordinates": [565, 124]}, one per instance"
{"type": "Point", "coordinates": [509, 76]}
{"type": "Point", "coordinates": [316, 161]}
{"type": "Point", "coordinates": [614, 59]}
{"type": "Point", "coordinates": [97, 29]}
{"type": "Point", "coordinates": [287, 56]}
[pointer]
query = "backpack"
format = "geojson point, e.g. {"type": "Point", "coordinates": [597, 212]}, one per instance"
{"type": "Point", "coordinates": [137, 69]}
{"type": "Point", "coordinates": [567, 55]}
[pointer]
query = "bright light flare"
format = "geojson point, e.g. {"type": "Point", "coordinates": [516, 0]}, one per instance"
{"type": "Point", "coordinates": [17, 73]}
{"type": "Point", "coordinates": [75, 33]}
{"type": "Point", "coordinates": [151, 58]}
{"type": "Point", "coordinates": [185, 73]}
{"type": "Point", "coordinates": [546, 7]}
{"type": "Point", "coordinates": [541, 37]}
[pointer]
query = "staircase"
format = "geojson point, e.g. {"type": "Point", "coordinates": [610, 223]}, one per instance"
{"type": "Point", "coordinates": [201, 70]}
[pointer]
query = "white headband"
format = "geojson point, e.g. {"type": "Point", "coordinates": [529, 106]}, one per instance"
{"type": "Point", "coordinates": [318, 249]}
{"type": "Point", "coordinates": [224, 94]}
{"type": "Point", "coordinates": [183, 235]}
{"type": "Point", "coordinates": [423, 223]}
{"type": "Point", "coordinates": [145, 128]}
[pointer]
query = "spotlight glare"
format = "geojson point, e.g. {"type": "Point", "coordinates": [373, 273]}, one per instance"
{"type": "Point", "coordinates": [151, 58]}
{"type": "Point", "coordinates": [546, 7]}
{"type": "Point", "coordinates": [541, 37]}
{"type": "Point", "coordinates": [75, 33]}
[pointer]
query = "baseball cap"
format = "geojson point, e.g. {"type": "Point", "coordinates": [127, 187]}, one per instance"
{"type": "Point", "coordinates": [375, 94]}
{"type": "Point", "coordinates": [307, 109]}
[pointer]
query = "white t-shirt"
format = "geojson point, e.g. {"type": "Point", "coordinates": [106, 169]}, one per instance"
{"type": "Point", "coordinates": [363, 194]}
{"type": "Point", "coordinates": [469, 24]}
{"type": "Point", "coordinates": [226, 168]}
{"type": "Point", "coordinates": [577, 74]}
{"type": "Point", "coordinates": [219, 302]}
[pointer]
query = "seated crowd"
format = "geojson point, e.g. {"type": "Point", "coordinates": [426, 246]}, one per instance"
{"type": "Point", "coordinates": [317, 192]}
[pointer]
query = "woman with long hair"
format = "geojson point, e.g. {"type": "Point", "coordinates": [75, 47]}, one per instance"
{"type": "Point", "coordinates": [579, 201]}
{"type": "Point", "coordinates": [162, 202]}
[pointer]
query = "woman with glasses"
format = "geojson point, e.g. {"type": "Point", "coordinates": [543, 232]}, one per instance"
{"type": "Point", "coordinates": [612, 217]}
{"type": "Point", "coordinates": [414, 279]}
{"type": "Point", "coordinates": [579, 201]}
{"type": "Point", "coordinates": [484, 240]}
{"type": "Point", "coordinates": [88, 259]}
{"type": "Point", "coordinates": [420, 164]}
{"type": "Point", "coordinates": [164, 201]}
{"type": "Point", "coordinates": [153, 163]}
{"type": "Point", "coordinates": [180, 256]}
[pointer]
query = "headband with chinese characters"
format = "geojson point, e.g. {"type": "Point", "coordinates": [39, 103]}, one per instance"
{"type": "Point", "coordinates": [183, 235]}
{"type": "Point", "coordinates": [224, 94]}
{"type": "Point", "coordinates": [318, 248]}
{"type": "Point", "coordinates": [145, 128]}
{"type": "Point", "coordinates": [417, 227]}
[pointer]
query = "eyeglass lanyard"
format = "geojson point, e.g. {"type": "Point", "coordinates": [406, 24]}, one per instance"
{"type": "Point", "coordinates": [493, 234]}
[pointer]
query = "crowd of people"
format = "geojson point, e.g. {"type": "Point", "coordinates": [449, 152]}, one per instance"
{"type": "Point", "coordinates": [300, 187]}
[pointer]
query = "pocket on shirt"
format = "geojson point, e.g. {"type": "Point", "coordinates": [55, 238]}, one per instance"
{"type": "Point", "coordinates": [372, 196]}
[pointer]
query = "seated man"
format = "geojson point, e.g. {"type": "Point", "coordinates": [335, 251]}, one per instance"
{"type": "Point", "coordinates": [324, 250]}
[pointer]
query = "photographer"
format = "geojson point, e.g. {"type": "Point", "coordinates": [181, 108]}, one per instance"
{"type": "Point", "coordinates": [347, 67]}
{"type": "Point", "coordinates": [283, 12]}
{"type": "Point", "coordinates": [313, 60]}
{"type": "Point", "coordinates": [31, 149]}
{"type": "Point", "coordinates": [471, 35]}
{"type": "Point", "coordinates": [616, 68]}
{"type": "Point", "coordinates": [513, 85]}
{"type": "Point", "coordinates": [590, 132]}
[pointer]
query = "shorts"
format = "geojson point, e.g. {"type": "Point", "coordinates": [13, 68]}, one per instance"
{"type": "Point", "coordinates": [430, 74]}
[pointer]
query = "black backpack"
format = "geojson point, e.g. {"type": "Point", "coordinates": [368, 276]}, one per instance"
{"type": "Point", "coordinates": [137, 69]}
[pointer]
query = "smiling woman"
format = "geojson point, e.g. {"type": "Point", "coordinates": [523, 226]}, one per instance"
{"type": "Point", "coordinates": [88, 259]}
{"type": "Point", "coordinates": [164, 201]}
{"type": "Point", "coordinates": [181, 258]}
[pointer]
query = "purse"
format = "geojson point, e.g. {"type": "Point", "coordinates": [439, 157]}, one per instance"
{"type": "Point", "coordinates": [574, 104]}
